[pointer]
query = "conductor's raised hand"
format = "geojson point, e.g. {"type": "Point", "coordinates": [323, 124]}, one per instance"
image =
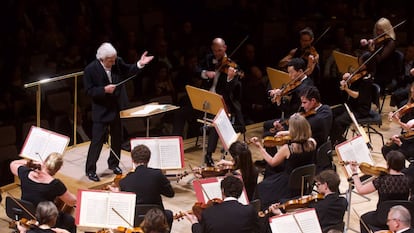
{"type": "Point", "coordinates": [145, 59]}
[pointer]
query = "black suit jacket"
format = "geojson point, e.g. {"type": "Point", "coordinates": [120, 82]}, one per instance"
{"type": "Point", "coordinates": [228, 217]}
{"type": "Point", "coordinates": [148, 184]}
{"type": "Point", "coordinates": [321, 124]}
{"type": "Point", "coordinates": [106, 107]}
{"type": "Point", "coordinates": [330, 210]}
{"type": "Point", "coordinates": [409, 231]}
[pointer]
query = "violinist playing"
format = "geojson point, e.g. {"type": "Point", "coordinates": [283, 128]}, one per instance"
{"type": "Point", "coordinates": [288, 104]}
{"type": "Point", "coordinates": [332, 207]}
{"type": "Point", "coordinates": [307, 52]}
{"type": "Point", "coordinates": [242, 164]}
{"type": "Point", "coordinates": [39, 185]}
{"type": "Point", "coordinates": [46, 215]}
{"type": "Point", "coordinates": [230, 216]}
{"type": "Point", "coordinates": [359, 94]}
{"type": "Point", "coordinates": [147, 183]}
{"type": "Point", "coordinates": [300, 151]}
{"type": "Point", "coordinates": [386, 65]}
{"type": "Point", "coordinates": [392, 186]}
{"type": "Point", "coordinates": [221, 76]}
{"type": "Point", "coordinates": [404, 117]}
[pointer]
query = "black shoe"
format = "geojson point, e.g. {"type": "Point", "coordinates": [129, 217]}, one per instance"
{"type": "Point", "coordinates": [93, 176]}
{"type": "Point", "coordinates": [117, 170]}
{"type": "Point", "coordinates": [208, 160]}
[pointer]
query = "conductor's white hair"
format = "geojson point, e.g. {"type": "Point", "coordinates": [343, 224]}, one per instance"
{"type": "Point", "coordinates": [105, 50]}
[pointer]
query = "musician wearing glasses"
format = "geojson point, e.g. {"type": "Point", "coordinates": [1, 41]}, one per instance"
{"type": "Point", "coordinates": [399, 220]}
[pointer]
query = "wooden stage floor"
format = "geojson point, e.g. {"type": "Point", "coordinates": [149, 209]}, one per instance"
{"type": "Point", "coordinates": [73, 175]}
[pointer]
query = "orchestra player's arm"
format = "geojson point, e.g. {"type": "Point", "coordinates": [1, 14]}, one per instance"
{"type": "Point", "coordinates": [283, 63]}
{"type": "Point", "coordinates": [361, 188]}
{"type": "Point", "coordinates": [279, 157]}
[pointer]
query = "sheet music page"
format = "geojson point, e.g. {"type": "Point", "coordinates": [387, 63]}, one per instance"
{"type": "Point", "coordinates": [213, 190]}
{"type": "Point", "coordinates": [149, 108]}
{"type": "Point", "coordinates": [170, 153]}
{"type": "Point", "coordinates": [124, 204]}
{"type": "Point", "coordinates": [152, 144]}
{"type": "Point", "coordinates": [354, 150]}
{"type": "Point", "coordinates": [308, 221]}
{"type": "Point", "coordinates": [94, 209]}
{"type": "Point", "coordinates": [40, 143]}
{"type": "Point", "coordinates": [224, 128]}
{"type": "Point", "coordinates": [283, 224]}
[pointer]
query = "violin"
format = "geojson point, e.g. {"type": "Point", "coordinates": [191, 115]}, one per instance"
{"type": "Point", "coordinates": [406, 136]}
{"type": "Point", "coordinates": [226, 63]}
{"type": "Point", "coordinates": [286, 122]}
{"type": "Point", "coordinates": [34, 166]}
{"type": "Point", "coordinates": [402, 111]}
{"type": "Point", "coordinates": [367, 168]}
{"type": "Point", "coordinates": [309, 51]}
{"type": "Point", "coordinates": [24, 222]}
{"type": "Point", "coordinates": [353, 78]}
{"type": "Point", "coordinates": [301, 202]}
{"type": "Point", "coordinates": [129, 230]}
{"type": "Point", "coordinates": [198, 208]}
{"type": "Point", "coordinates": [271, 141]}
{"type": "Point", "coordinates": [63, 207]}
{"type": "Point", "coordinates": [290, 86]}
{"type": "Point", "coordinates": [219, 170]}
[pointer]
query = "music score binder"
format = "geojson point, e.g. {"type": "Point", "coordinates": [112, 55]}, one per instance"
{"type": "Point", "coordinates": [225, 129]}
{"type": "Point", "coordinates": [166, 152]}
{"type": "Point", "coordinates": [41, 142]}
{"type": "Point", "coordinates": [302, 221]}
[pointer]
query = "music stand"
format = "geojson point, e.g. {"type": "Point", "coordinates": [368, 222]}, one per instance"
{"type": "Point", "coordinates": [207, 102]}
{"type": "Point", "coordinates": [17, 209]}
{"type": "Point", "coordinates": [346, 63]}
{"type": "Point", "coordinates": [277, 77]}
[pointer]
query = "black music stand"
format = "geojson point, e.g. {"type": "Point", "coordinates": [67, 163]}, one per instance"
{"type": "Point", "coordinates": [17, 209]}
{"type": "Point", "coordinates": [207, 102]}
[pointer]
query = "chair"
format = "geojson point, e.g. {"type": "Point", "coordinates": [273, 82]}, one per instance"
{"type": "Point", "coordinates": [374, 117]}
{"type": "Point", "coordinates": [17, 209]}
{"type": "Point", "coordinates": [323, 159]}
{"type": "Point", "coordinates": [301, 179]}
{"type": "Point", "coordinates": [384, 207]}
{"type": "Point", "coordinates": [141, 210]}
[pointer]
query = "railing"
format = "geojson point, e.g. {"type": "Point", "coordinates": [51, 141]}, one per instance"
{"type": "Point", "coordinates": [38, 85]}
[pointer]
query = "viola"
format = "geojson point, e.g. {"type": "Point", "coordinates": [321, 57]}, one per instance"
{"type": "Point", "coordinates": [34, 166]}
{"type": "Point", "coordinates": [198, 207]}
{"type": "Point", "coordinates": [301, 202]}
{"type": "Point", "coordinates": [24, 222]}
{"type": "Point", "coordinates": [367, 168]}
{"type": "Point", "coordinates": [219, 170]}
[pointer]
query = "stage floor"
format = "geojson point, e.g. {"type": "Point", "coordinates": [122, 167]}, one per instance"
{"type": "Point", "coordinates": [73, 175]}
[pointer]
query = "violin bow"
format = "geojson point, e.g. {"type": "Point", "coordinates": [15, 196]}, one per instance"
{"type": "Point", "coordinates": [234, 51]}
{"type": "Point", "coordinates": [122, 217]}
{"type": "Point", "coordinates": [382, 34]}
{"type": "Point", "coordinates": [322, 35]}
{"type": "Point", "coordinates": [21, 206]}
{"type": "Point", "coordinates": [364, 63]}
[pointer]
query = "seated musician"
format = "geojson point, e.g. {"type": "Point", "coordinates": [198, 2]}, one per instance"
{"type": "Point", "coordinates": [299, 151]}
{"type": "Point", "coordinates": [155, 222]}
{"type": "Point", "coordinates": [288, 104]}
{"type": "Point", "coordinates": [399, 220]}
{"type": "Point", "coordinates": [228, 216]}
{"type": "Point", "coordinates": [358, 89]}
{"type": "Point", "coordinates": [242, 163]}
{"type": "Point", "coordinates": [46, 216]}
{"type": "Point", "coordinates": [221, 78]}
{"type": "Point", "coordinates": [39, 185]}
{"type": "Point", "coordinates": [332, 207]}
{"type": "Point", "coordinates": [392, 186]}
{"type": "Point", "coordinates": [147, 183]}
{"type": "Point", "coordinates": [306, 52]}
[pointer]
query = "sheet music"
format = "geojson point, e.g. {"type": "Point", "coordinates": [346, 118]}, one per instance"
{"type": "Point", "coordinates": [41, 142]}
{"type": "Point", "coordinates": [225, 128]}
{"type": "Point", "coordinates": [354, 150]}
{"type": "Point", "coordinates": [149, 108]}
{"type": "Point", "coordinates": [308, 221]}
{"type": "Point", "coordinates": [166, 152]}
{"type": "Point", "coordinates": [213, 190]}
{"type": "Point", "coordinates": [284, 223]}
{"type": "Point", "coordinates": [96, 209]}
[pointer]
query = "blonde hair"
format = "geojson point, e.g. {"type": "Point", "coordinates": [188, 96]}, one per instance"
{"type": "Point", "coordinates": [385, 25]}
{"type": "Point", "coordinates": [300, 132]}
{"type": "Point", "coordinates": [53, 163]}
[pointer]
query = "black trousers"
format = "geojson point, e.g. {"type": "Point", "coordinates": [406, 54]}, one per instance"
{"type": "Point", "coordinates": [100, 131]}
